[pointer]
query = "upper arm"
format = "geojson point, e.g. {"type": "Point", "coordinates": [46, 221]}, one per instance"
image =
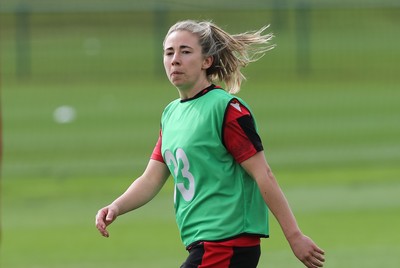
{"type": "Point", "coordinates": [240, 136]}
{"type": "Point", "coordinates": [156, 154]}
{"type": "Point", "coordinates": [258, 168]}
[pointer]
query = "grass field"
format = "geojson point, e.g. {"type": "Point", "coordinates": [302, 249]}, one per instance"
{"type": "Point", "coordinates": [331, 137]}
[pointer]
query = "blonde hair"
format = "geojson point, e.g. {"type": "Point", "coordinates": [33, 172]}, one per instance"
{"type": "Point", "coordinates": [229, 52]}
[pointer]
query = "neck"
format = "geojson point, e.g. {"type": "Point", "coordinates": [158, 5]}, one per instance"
{"type": "Point", "coordinates": [191, 91]}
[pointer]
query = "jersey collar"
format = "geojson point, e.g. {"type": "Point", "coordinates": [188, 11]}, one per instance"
{"type": "Point", "coordinates": [203, 92]}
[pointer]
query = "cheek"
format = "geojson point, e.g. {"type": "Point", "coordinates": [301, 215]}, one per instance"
{"type": "Point", "coordinates": [166, 63]}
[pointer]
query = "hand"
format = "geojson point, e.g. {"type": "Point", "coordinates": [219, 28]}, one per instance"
{"type": "Point", "coordinates": [105, 217]}
{"type": "Point", "coordinates": [307, 251]}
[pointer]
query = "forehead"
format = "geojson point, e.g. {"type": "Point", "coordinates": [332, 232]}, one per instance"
{"type": "Point", "coordinates": [181, 38]}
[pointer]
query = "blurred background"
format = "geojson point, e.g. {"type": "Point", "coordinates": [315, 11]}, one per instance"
{"type": "Point", "coordinates": [83, 89]}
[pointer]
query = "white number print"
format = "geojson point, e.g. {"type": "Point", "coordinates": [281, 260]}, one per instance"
{"type": "Point", "coordinates": [187, 193]}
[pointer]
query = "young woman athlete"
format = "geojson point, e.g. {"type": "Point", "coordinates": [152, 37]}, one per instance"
{"type": "Point", "coordinates": [209, 144]}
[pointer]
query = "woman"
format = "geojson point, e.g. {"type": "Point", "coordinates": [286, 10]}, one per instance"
{"type": "Point", "coordinates": [208, 142]}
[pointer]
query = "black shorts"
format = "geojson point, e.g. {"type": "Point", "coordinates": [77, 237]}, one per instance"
{"type": "Point", "coordinates": [213, 255]}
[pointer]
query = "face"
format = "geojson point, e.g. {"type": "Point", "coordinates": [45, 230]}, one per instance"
{"type": "Point", "coordinates": [184, 62]}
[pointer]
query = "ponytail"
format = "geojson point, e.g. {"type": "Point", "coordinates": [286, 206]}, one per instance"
{"type": "Point", "coordinates": [229, 52]}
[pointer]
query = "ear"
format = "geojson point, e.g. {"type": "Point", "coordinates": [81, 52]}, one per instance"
{"type": "Point", "coordinates": [207, 62]}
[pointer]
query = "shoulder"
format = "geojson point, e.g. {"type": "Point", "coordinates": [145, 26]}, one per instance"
{"type": "Point", "coordinates": [226, 96]}
{"type": "Point", "coordinates": [218, 97]}
{"type": "Point", "coordinates": [236, 110]}
{"type": "Point", "coordinates": [171, 104]}
{"type": "Point", "coordinates": [220, 93]}
{"type": "Point", "coordinates": [174, 102]}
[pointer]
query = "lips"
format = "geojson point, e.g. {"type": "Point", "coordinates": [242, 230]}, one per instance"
{"type": "Point", "coordinates": [176, 73]}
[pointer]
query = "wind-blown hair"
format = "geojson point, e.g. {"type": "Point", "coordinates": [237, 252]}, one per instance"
{"type": "Point", "coordinates": [229, 52]}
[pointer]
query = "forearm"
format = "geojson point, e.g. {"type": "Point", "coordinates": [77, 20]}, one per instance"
{"type": "Point", "coordinates": [143, 189]}
{"type": "Point", "coordinates": [133, 197]}
{"type": "Point", "coordinates": [278, 205]}
{"type": "Point", "coordinates": [303, 247]}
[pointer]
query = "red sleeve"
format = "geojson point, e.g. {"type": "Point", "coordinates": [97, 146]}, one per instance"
{"type": "Point", "coordinates": [240, 136]}
{"type": "Point", "coordinates": [157, 155]}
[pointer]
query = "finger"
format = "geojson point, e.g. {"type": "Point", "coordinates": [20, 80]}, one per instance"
{"type": "Point", "coordinates": [319, 250]}
{"type": "Point", "coordinates": [319, 257]}
{"type": "Point", "coordinates": [308, 264]}
{"type": "Point", "coordinates": [319, 254]}
{"type": "Point", "coordinates": [105, 233]}
{"type": "Point", "coordinates": [314, 260]}
{"type": "Point", "coordinates": [102, 229]}
{"type": "Point", "coordinates": [100, 215]}
{"type": "Point", "coordinates": [316, 263]}
{"type": "Point", "coordinates": [311, 264]}
{"type": "Point", "coordinates": [101, 224]}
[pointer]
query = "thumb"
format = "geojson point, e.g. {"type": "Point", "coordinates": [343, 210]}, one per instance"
{"type": "Point", "coordinates": [110, 216]}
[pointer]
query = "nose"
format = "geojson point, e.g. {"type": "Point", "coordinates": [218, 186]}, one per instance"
{"type": "Point", "coordinates": [175, 59]}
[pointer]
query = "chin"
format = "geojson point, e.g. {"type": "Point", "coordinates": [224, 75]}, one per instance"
{"type": "Point", "coordinates": [178, 83]}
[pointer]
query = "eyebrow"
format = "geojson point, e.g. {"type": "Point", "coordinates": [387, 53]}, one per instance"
{"type": "Point", "coordinates": [180, 47]}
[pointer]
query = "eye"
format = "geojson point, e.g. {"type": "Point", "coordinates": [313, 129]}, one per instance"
{"type": "Point", "coordinates": [186, 52]}
{"type": "Point", "coordinates": [168, 53]}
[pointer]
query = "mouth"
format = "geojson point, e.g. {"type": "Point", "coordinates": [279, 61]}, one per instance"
{"type": "Point", "coordinates": [176, 73]}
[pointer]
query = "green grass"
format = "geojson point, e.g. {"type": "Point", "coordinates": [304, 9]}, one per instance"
{"type": "Point", "coordinates": [50, 222]}
{"type": "Point", "coordinates": [331, 137]}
